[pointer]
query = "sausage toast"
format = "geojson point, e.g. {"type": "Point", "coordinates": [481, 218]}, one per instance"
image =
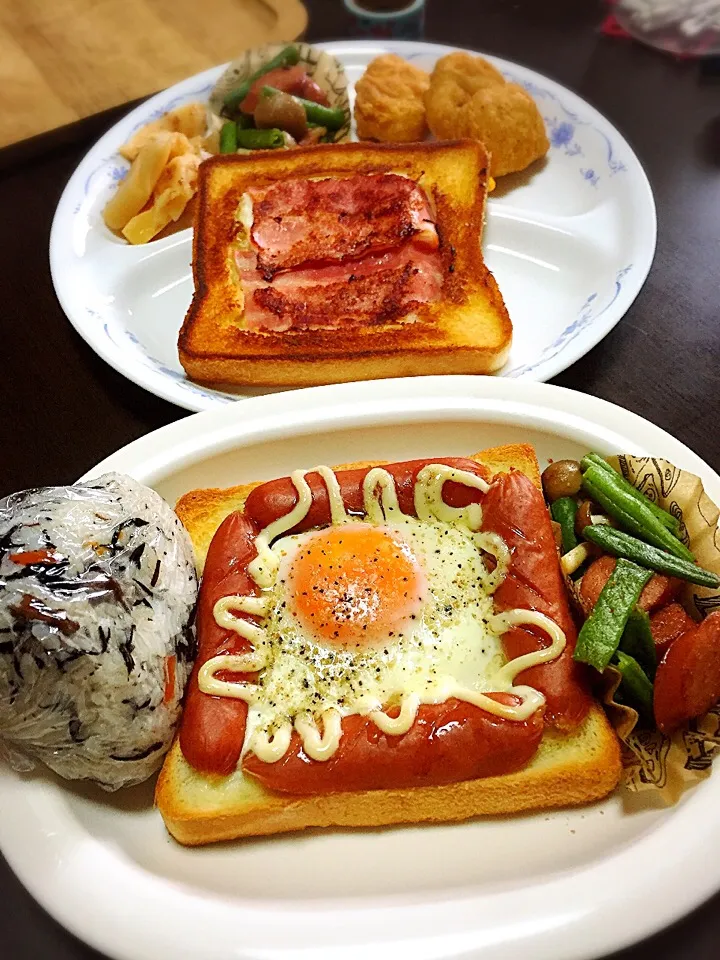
{"type": "Point", "coordinates": [359, 300]}
{"type": "Point", "coordinates": [568, 768]}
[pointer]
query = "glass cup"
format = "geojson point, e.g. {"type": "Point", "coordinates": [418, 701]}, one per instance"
{"type": "Point", "coordinates": [385, 19]}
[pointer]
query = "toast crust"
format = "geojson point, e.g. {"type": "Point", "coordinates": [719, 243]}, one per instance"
{"type": "Point", "coordinates": [467, 330]}
{"type": "Point", "coordinates": [568, 770]}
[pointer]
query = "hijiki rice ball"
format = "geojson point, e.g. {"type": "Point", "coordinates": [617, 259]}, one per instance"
{"type": "Point", "coordinates": [97, 599]}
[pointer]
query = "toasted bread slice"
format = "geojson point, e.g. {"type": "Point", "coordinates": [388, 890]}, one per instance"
{"type": "Point", "coordinates": [465, 330]}
{"type": "Point", "coordinates": [567, 770]}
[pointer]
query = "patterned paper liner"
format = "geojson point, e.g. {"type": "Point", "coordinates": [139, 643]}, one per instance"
{"type": "Point", "coordinates": [325, 70]}
{"type": "Point", "coordinates": [653, 762]}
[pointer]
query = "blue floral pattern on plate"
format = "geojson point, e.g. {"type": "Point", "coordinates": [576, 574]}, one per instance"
{"type": "Point", "coordinates": [561, 131]}
{"type": "Point", "coordinates": [587, 315]}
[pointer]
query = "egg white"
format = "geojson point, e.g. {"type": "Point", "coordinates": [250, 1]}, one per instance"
{"type": "Point", "coordinates": [447, 644]}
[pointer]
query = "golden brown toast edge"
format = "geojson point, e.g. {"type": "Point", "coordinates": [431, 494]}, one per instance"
{"type": "Point", "coordinates": [212, 347]}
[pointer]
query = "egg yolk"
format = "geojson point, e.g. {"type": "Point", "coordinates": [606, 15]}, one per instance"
{"type": "Point", "coordinates": [355, 584]}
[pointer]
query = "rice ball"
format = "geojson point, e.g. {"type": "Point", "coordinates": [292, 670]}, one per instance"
{"type": "Point", "coordinates": [97, 598]}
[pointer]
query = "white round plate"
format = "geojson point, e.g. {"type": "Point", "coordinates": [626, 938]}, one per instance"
{"type": "Point", "coordinates": [570, 241]}
{"type": "Point", "coordinates": [566, 885]}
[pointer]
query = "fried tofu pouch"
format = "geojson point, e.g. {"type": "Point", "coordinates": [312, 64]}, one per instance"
{"type": "Point", "coordinates": [468, 97]}
{"type": "Point", "coordinates": [389, 101]}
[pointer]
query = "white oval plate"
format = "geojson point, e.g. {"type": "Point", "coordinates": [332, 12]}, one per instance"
{"type": "Point", "coordinates": [570, 242]}
{"type": "Point", "coordinates": [565, 885]}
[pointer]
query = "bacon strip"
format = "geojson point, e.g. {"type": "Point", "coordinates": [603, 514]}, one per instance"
{"type": "Point", "coordinates": [338, 251]}
{"type": "Point", "coordinates": [335, 219]}
{"type": "Point", "coordinates": [378, 289]}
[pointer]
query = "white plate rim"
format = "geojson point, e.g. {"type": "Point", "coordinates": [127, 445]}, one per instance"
{"type": "Point", "coordinates": [573, 343]}
{"type": "Point", "coordinates": [598, 908]}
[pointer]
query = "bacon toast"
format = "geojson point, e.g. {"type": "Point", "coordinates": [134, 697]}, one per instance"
{"type": "Point", "coordinates": [568, 769]}
{"type": "Point", "coordinates": [354, 312]}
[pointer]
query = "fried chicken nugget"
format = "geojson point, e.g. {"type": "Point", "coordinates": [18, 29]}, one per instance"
{"type": "Point", "coordinates": [468, 97]}
{"type": "Point", "coordinates": [508, 122]}
{"type": "Point", "coordinates": [464, 75]}
{"type": "Point", "coordinates": [389, 100]}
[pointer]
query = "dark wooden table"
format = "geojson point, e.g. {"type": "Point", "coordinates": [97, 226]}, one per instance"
{"type": "Point", "coordinates": [64, 409]}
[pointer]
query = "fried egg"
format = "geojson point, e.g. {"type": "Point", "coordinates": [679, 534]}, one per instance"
{"type": "Point", "coordinates": [373, 617]}
{"type": "Point", "coordinates": [362, 615]}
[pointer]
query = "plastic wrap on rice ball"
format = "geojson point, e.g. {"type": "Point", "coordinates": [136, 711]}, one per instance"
{"type": "Point", "coordinates": [97, 598]}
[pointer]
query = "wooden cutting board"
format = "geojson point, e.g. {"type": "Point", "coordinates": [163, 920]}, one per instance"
{"type": "Point", "coordinates": [62, 60]}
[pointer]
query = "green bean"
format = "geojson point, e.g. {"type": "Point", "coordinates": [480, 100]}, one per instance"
{"type": "Point", "coordinates": [637, 641]}
{"type": "Point", "coordinates": [600, 634]}
{"type": "Point", "coordinates": [636, 688]}
{"type": "Point", "coordinates": [332, 118]}
{"type": "Point", "coordinates": [630, 512]}
{"type": "Point", "coordinates": [228, 137]}
{"type": "Point", "coordinates": [621, 544]}
{"type": "Point", "coordinates": [563, 511]}
{"type": "Point", "coordinates": [261, 139]}
{"type": "Point", "coordinates": [287, 57]}
{"type": "Point", "coordinates": [667, 519]}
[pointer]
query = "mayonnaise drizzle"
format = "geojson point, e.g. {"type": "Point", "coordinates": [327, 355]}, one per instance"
{"type": "Point", "coordinates": [429, 503]}
{"type": "Point", "coordinates": [494, 544]}
{"type": "Point", "coordinates": [394, 726]}
{"type": "Point", "coordinates": [386, 506]}
{"type": "Point", "coordinates": [513, 618]}
{"type": "Point", "coordinates": [271, 748]}
{"type": "Point", "coordinates": [380, 502]}
{"type": "Point", "coordinates": [224, 617]}
{"type": "Point", "coordinates": [320, 747]}
{"type": "Point", "coordinates": [237, 663]}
